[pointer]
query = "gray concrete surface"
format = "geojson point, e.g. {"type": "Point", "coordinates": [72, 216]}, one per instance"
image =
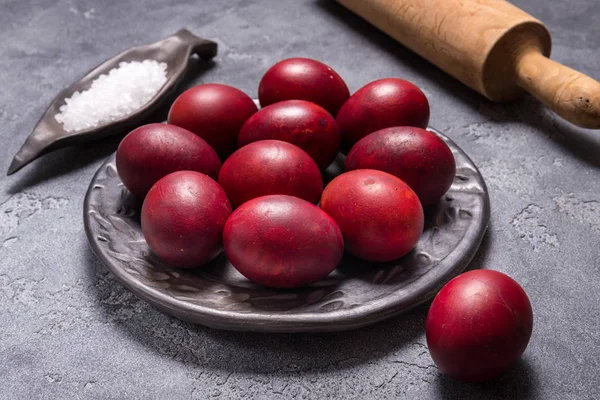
{"type": "Point", "coordinates": [69, 330]}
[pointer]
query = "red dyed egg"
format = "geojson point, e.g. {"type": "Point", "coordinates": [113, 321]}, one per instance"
{"type": "Point", "coordinates": [382, 104]}
{"type": "Point", "coordinates": [183, 217]}
{"type": "Point", "coordinates": [270, 167]}
{"type": "Point", "coordinates": [381, 218]}
{"type": "Point", "coordinates": [478, 325]}
{"type": "Point", "coordinates": [418, 157]}
{"type": "Point", "coordinates": [282, 241]}
{"type": "Point", "coordinates": [299, 122]}
{"type": "Point", "coordinates": [303, 79]}
{"type": "Point", "coordinates": [152, 151]}
{"type": "Point", "coordinates": [214, 112]}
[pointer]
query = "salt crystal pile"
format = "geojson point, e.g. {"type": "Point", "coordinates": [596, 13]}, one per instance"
{"type": "Point", "coordinates": [121, 92]}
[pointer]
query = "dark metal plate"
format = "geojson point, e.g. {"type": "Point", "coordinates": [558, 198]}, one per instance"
{"type": "Point", "coordinates": [357, 293]}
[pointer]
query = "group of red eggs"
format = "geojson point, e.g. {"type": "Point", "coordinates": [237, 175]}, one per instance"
{"type": "Point", "coordinates": [273, 160]}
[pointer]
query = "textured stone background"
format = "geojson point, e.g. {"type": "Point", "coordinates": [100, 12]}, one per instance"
{"type": "Point", "coordinates": [69, 330]}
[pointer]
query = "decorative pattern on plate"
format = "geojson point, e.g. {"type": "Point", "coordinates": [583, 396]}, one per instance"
{"type": "Point", "coordinates": [357, 293]}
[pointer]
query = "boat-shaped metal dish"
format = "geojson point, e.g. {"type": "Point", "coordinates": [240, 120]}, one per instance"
{"type": "Point", "coordinates": [357, 293]}
{"type": "Point", "coordinates": [49, 135]}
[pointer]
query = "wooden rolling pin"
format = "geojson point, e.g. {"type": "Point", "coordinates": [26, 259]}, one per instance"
{"type": "Point", "coordinates": [491, 46]}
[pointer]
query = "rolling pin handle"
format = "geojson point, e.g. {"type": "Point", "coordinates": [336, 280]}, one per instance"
{"type": "Point", "coordinates": [569, 93]}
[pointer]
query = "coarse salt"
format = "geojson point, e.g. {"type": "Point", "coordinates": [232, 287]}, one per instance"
{"type": "Point", "coordinates": [112, 96]}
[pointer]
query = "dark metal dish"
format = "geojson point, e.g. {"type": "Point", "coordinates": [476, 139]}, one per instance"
{"type": "Point", "coordinates": [49, 135]}
{"type": "Point", "coordinates": [356, 294]}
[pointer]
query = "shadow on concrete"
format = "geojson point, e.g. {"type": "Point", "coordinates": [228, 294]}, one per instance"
{"type": "Point", "coordinates": [519, 382]}
{"type": "Point", "coordinates": [480, 260]}
{"type": "Point", "coordinates": [580, 143]}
